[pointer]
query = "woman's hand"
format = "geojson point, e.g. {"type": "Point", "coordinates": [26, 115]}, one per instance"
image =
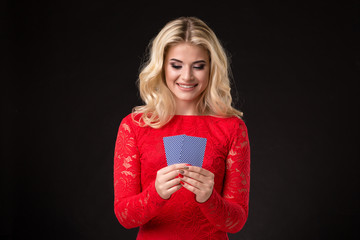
{"type": "Point", "coordinates": [199, 181]}
{"type": "Point", "coordinates": [167, 181]}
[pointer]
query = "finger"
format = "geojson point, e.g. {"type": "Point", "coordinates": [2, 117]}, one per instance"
{"type": "Point", "coordinates": [172, 174]}
{"type": "Point", "coordinates": [174, 189]}
{"type": "Point", "coordinates": [190, 188]}
{"type": "Point", "coordinates": [192, 182]}
{"type": "Point", "coordinates": [169, 176]}
{"type": "Point", "coordinates": [171, 183]}
{"type": "Point", "coordinates": [171, 168]}
{"type": "Point", "coordinates": [198, 170]}
{"type": "Point", "coordinates": [194, 175]}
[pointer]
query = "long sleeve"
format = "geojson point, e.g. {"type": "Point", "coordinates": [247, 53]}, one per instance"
{"type": "Point", "coordinates": [133, 206]}
{"type": "Point", "coordinates": [228, 211]}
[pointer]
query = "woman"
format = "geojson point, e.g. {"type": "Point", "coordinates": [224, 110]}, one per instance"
{"type": "Point", "coordinates": [186, 90]}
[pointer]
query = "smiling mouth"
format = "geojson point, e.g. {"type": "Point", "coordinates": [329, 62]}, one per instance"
{"type": "Point", "coordinates": [186, 86]}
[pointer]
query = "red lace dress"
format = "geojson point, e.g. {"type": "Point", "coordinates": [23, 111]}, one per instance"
{"type": "Point", "coordinates": [139, 154]}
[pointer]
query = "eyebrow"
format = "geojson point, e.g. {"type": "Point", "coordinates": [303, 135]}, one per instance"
{"type": "Point", "coordinates": [177, 60]}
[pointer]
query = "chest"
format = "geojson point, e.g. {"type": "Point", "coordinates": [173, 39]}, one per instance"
{"type": "Point", "coordinates": [152, 151]}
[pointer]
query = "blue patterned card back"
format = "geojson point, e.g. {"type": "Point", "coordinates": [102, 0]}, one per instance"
{"type": "Point", "coordinates": [173, 146]}
{"type": "Point", "coordinates": [193, 151]}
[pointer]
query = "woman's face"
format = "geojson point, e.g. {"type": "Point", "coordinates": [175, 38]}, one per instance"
{"type": "Point", "coordinates": [187, 70]}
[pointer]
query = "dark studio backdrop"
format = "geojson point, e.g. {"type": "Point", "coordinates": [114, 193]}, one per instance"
{"type": "Point", "coordinates": [69, 78]}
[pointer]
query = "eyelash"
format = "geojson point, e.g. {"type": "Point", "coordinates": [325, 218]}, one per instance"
{"type": "Point", "coordinates": [200, 67]}
{"type": "Point", "coordinates": [175, 66]}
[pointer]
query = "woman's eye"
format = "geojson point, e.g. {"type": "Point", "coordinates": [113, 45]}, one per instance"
{"type": "Point", "coordinates": [176, 66]}
{"type": "Point", "coordinates": [200, 67]}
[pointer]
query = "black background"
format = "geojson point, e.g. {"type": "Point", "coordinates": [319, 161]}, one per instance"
{"type": "Point", "coordinates": [69, 78]}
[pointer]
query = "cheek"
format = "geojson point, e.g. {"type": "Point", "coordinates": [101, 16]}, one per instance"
{"type": "Point", "coordinates": [205, 84]}
{"type": "Point", "coordinates": [170, 75]}
{"type": "Point", "coordinates": [203, 77]}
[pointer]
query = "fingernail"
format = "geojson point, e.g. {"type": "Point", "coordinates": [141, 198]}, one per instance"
{"type": "Point", "coordinates": [186, 167]}
{"type": "Point", "coordinates": [180, 175]}
{"type": "Point", "coordinates": [181, 182]}
{"type": "Point", "coordinates": [181, 171]}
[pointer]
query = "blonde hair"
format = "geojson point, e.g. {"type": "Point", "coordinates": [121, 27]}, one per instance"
{"type": "Point", "coordinates": [159, 102]}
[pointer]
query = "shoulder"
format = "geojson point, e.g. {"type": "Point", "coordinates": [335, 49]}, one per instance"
{"type": "Point", "coordinates": [129, 122]}
{"type": "Point", "coordinates": [232, 122]}
{"type": "Point", "coordinates": [236, 120]}
{"type": "Point", "coordinates": [236, 127]}
{"type": "Point", "coordinates": [231, 126]}
{"type": "Point", "coordinates": [132, 119]}
{"type": "Point", "coordinates": [239, 123]}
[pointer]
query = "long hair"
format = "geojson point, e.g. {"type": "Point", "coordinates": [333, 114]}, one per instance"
{"type": "Point", "coordinates": [159, 102]}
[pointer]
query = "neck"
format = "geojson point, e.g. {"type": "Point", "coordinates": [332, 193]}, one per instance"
{"type": "Point", "coordinates": [185, 108]}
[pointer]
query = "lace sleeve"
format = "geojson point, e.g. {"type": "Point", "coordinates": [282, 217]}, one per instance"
{"type": "Point", "coordinates": [132, 206]}
{"type": "Point", "coordinates": [228, 211]}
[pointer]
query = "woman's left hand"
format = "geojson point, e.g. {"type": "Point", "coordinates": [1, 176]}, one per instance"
{"type": "Point", "coordinates": [199, 181]}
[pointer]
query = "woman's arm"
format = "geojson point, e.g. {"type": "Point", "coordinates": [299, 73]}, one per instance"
{"type": "Point", "coordinates": [229, 210]}
{"type": "Point", "coordinates": [132, 206]}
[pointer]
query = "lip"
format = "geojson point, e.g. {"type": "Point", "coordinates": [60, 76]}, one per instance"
{"type": "Point", "coordinates": [186, 86]}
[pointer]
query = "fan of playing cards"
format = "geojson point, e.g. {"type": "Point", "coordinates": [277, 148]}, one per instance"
{"type": "Point", "coordinates": [184, 149]}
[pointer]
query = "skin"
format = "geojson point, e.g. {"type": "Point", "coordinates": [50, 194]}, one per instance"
{"type": "Point", "coordinates": [167, 181]}
{"type": "Point", "coordinates": [187, 70]}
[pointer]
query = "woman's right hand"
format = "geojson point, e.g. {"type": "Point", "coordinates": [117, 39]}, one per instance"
{"type": "Point", "coordinates": [167, 182]}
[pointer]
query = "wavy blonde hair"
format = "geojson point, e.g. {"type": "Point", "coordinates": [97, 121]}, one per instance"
{"type": "Point", "coordinates": [159, 102]}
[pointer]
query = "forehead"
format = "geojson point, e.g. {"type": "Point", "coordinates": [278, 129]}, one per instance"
{"type": "Point", "coordinates": [187, 52]}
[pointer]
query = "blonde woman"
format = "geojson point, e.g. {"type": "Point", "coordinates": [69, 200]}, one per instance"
{"type": "Point", "coordinates": [186, 91]}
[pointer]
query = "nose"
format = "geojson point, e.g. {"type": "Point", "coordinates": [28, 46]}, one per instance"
{"type": "Point", "coordinates": [186, 74]}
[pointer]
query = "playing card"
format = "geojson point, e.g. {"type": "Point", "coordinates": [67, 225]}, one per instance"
{"type": "Point", "coordinates": [193, 150]}
{"type": "Point", "coordinates": [173, 146]}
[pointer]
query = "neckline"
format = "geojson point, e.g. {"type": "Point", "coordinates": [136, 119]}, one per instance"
{"type": "Point", "coordinates": [213, 116]}
{"type": "Point", "coordinates": [183, 115]}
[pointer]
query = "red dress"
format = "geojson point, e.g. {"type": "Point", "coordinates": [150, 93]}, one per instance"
{"type": "Point", "coordinates": [139, 154]}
